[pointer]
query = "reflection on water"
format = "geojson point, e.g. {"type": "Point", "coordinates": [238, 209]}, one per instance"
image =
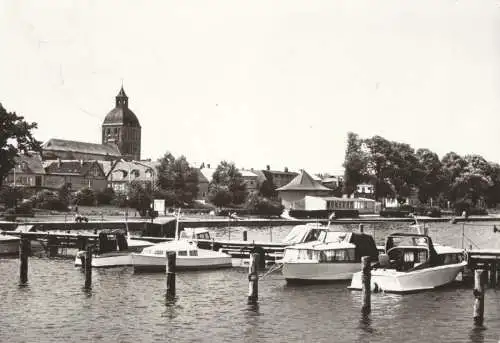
{"type": "Point", "coordinates": [212, 306]}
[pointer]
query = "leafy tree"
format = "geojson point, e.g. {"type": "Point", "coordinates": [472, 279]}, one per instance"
{"type": "Point", "coordinates": [227, 178]}
{"type": "Point", "coordinates": [355, 164]}
{"type": "Point", "coordinates": [268, 189]}
{"type": "Point", "coordinates": [16, 137]}
{"type": "Point", "coordinates": [219, 195]}
{"type": "Point", "coordinates": [85, 197]}
{"type": "Point", "coordinates": [106, 196]}
{"type": "Point", "coordinates": [176, 177]}
{"type": "Point", "coordinates": [140, 196]}
{"type": "Point", "coordinates": [429, 174]}
{"type": "Point", "coordinates": [10, 196]}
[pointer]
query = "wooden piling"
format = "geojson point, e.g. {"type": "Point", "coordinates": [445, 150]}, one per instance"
{"type": "Point", "coordinates": [366, 281]}
{"type": "Point", "coordinates": [170, 270]}
{"type": "Point", "coordinates": [88, 267]}
{"type": "Point", "coordinates": [479, 297]}
{"type": "Point", "coordinates": [24, 247]}
{"type": "Point", "coordinates": [253, 279]}
{"type": "Point", "coordinates": [245, 235]}
{"type": "Point", "coordinates": [493, 274]}
{"type": "Point", "coordinates": [361, 228]}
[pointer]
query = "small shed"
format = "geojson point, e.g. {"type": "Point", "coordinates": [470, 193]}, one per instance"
{"type": "Point", "coordinates": [301, 186]}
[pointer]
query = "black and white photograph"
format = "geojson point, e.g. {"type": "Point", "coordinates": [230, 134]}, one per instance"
{"type": "Point", "coordinates": [250, 171]}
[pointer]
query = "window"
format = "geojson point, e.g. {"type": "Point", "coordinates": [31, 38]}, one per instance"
{"type": "Point", "coordinates": [182, 253]}
{"type": "Point", "coordinates": [193, 252]}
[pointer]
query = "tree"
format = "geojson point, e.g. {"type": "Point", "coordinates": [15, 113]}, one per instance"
{"type": "Point", "coordinates": [10, 196]}
{"type": "Point", "coordinates": [429, 175]}
{"type": "Point", "coordinates": [354, 164]}
{"type": "Point", "coordinates": [268, 189]}
{"type": "Point", "coordinates": [85, 197]}
{"type": "Point", "coordinates": [177, 178]}
{"type": "Point", "coordinates": [228, 179]}
{"type": "Point", "coordinates": [219, 195]}
{"type": "Point", "coordinates": [16, 137]}
{"type": "Point", "coordinates": [140, 196]}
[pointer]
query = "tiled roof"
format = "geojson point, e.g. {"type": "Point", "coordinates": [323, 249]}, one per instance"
{"type": "Point", "coordinates": [303, 182]}
{"type": "Point", "coordinates": [29, 164]}
{"type": "Point", "coordinates": [56, 144]}
{"type": "Point", "coordinates": [70, 167]}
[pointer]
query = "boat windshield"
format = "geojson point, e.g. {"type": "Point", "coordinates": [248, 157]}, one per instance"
{"type": "Point", "coordinates": [332, 236]}
{"type": "Point", "coordinates": [302, 233]}
{"type": "Point", "coordinates": [408, 241]}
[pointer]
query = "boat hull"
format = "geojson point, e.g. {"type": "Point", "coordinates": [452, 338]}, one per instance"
{"type": "Point", "coordinates": [319, 272]}
{"type": "Point", "coordinates": [108, 260]}
{"type": "Point", "coordinates": [390, 280]}
{"type": "Point", "coordinates": [152, 263]}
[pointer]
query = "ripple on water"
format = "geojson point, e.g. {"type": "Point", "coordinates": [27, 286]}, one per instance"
{"type": "Point", "coordinates": [212, 306]}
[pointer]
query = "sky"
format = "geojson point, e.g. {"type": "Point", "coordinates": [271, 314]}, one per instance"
{"type": "Point", "coordinates": [259, 82]}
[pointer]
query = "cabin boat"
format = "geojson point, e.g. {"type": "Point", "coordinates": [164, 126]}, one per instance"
{"type": "Point", "coordinates": [334, 256]}
{"type": "Point", "coordinates": [113, 251]}
{"type": "Point", "coordinates": [413, 263]}
{"type": "Point", "coordinates": [240, 251]}
{"type": "Point", "coordinates": [188, 255]}
{"type": "Point", "coordinates": [9, 245]}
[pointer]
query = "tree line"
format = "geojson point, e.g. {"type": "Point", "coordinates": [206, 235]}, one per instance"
{"type": "Point", "coordinates": [396, 170]}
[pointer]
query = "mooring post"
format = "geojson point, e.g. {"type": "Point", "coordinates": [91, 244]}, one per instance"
{"type": "Point", "coordinates": [253, 279]}
{"type": "Point", "coordinates": [245, 235]}
{"type": "Point", "coordinates": [88, 267]}
{"type": "Point", "coordinates": [479, 297]}
{"type": "Point", "coordinates": [493, 274]}
{"type": "Point", "coordinates": [171, 261]}
{"type": "Point", "coordinates": [270, 233]}
{"type": "Point", "coordinates": [366, 280]}
{"type": "Point", "coordinates": [361, 228]}
{"type": "Point", "coordinates": [23, 259]}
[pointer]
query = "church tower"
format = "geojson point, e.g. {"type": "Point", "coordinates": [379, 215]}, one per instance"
{"type": "Point", "coordinates": [121, 127]}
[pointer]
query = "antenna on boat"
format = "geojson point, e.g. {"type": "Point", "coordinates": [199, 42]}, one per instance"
{"type": "Point", "coordinates": [177, 224]}
{"type": "Point", "coordinates": [330, 217]}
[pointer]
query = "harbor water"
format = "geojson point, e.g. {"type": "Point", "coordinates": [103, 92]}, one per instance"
{"type": "Point", "coordinates": [211, 306]}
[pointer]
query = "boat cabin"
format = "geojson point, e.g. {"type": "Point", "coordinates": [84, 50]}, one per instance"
{"type": "Point", "coordinates": [406, 252]}
{"type": "Point", "coordinates": [331, 247]}
{"type": "Point", "coordinates": [183, 248]}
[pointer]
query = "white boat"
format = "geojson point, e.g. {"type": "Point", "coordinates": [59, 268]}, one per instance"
{"type": "Point", "coordinates": [9, 245]}
{"type": "Point", "coordinates": [114, 251]}
{"type": "Point", "coordinates": [334, 256]}
{"type": "Point", "coordinates": [188, 255]}
{"type": "Point", "coordinates": [299, 234]}
{"type": "Point", "coordinates": [413, 263]}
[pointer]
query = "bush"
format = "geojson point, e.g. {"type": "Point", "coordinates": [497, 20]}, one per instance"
{"type": "Point", "coordinates": [263, 206]}
{"type": "Point", "coordinates": [466, 206]}
{"type": "Point", "coordinates": [396, 212]}
{"type": "Point", "coordinates": [10, 195]}
{"type": "Point", "coordinates": [120, 200]}
{"type": "Point", "coordinates": [85, 197]}
{"type": "Point", "coordinates": [106, 196]}
{"type": "Point", "coordinates": [48, 200]}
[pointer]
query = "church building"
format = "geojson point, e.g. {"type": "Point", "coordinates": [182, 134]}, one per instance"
{"type": "Point", "coordinates": [121, 138]}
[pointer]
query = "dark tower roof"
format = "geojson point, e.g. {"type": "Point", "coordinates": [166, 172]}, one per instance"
{"type": "Point", "coordinates": [121, 114]}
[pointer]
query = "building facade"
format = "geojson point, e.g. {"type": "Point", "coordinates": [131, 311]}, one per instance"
{"type": "Point", "coordinates": [121, 127]}
{"type": "Point", "coordinates": [27, 172]}
{"type": "Point", "coordinates": [294, 193]}
{"type": "Point", "coordinates": [77, 174]}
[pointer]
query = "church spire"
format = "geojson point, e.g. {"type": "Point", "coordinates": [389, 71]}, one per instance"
{"type": "Point", "coordinates": [122, 99]}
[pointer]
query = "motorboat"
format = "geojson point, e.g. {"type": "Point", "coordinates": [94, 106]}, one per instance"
{"type": "Point", "coordinates": [9, 245]}
{"type": "Point", "coordinates": [188, 255]}
{"type": "Point", "coordinates": [413, 263]}
{"type": "Point", "coordinates": [114, 250]}
{"type": "Point", "coordinates": [334, 256]}
{"type": "Point", "coordinates": [240, 251]}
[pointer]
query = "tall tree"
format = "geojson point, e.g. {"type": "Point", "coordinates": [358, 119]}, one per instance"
{"type": "Point", "coordinates": [178, 179]}
{"type": "Point", "coordinates": [16, 137]}
{"type": "Point", "coordinates": [227, 177]}
{"type": "Point", "coordinates": [354, 164]}
{"type": "Point", "coordinates": [429, 175]}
